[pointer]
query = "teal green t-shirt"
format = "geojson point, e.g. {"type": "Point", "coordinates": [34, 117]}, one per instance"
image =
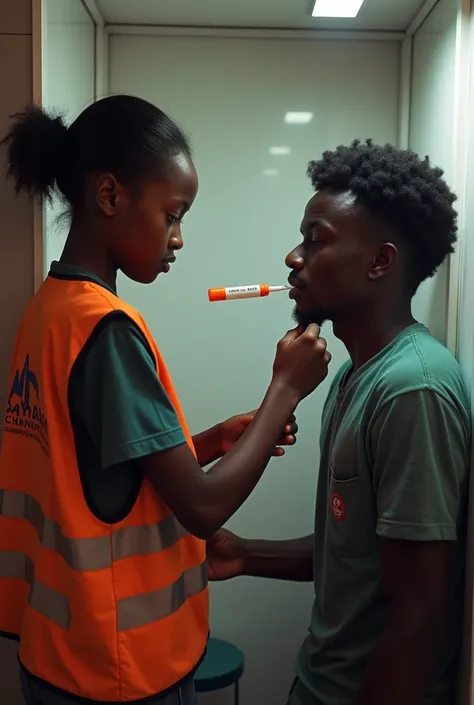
{"type": "Point", "coordinates": [119, 410]}
{"type": "Point", "coordinates": [395, 446]}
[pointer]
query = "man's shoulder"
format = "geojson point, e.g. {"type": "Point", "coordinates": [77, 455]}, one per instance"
{"type": "Point", "coordinates": [419, 362]}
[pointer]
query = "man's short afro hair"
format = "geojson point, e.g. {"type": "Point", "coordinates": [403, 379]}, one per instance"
{"type": "Point", "coordinates": [404, 190]}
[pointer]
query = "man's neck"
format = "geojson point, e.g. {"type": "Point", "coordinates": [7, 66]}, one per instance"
{"type": "Point", "coordinates": [368, 335]}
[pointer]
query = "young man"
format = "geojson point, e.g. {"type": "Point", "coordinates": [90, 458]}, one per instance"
{"type": "Point", "coordinates": [387, 552]}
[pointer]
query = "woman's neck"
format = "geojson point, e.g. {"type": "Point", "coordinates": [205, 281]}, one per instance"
{"type": "Point", "coordinates": [84, 250]}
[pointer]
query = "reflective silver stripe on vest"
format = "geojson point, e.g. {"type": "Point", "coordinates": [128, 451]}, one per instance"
{"type": "Point", "coordinates": [143, 540]}
{"type": "Point", "coordinates": [96, 554]}
{"type": "Point", "coordinates": [43, 599]}
{"type": "Point", "coordinates": [132, 612]}
{"type": "Point", "coordinates": [93, 553]}
{"type": "Point", "coordinates": [143, 609]}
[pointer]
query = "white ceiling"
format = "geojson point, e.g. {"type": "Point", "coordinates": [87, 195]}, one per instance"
{"type": "Point", "coordinates": [291, 14]}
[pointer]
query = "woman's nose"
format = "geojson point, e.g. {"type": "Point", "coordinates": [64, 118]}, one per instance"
{"type": "Point", "coordinates": [176, 240]}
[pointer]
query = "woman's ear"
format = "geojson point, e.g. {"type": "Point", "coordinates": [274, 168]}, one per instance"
{"type": "Point", "coordinates": [110, 195]}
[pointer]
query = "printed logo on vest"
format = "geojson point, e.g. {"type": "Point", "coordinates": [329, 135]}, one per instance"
{"type": "Point", "coordinates": [338, 507]}
{"type": "Point", "coordinates": [24, 415]}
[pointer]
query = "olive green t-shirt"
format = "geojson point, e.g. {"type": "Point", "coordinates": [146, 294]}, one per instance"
{"type": "Point", "coordinates": [119, 410]}
{"type": "Point", "coordinates": [395, 447]}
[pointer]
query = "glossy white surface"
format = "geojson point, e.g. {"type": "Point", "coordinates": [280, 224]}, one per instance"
{"type": "Point", "coordinates": [374, 14]}
{"type": "Point", "coordinates": [232, 96]}
{"type": "Point", "coordinates": [431, 129]}
{"type": "Point", "coordinates": [68, 87]}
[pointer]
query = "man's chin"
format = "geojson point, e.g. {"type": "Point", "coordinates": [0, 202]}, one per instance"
{"type": "Point", "coordinates": [305, 318]}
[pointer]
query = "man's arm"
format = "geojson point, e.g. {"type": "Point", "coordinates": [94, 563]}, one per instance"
{"type": "Point", "coordinates": [420, 445]}
{"type": "Point", "coordinates": [230, 556]}
{"type": "Point", "coordinates": [280, 560]}
{"type": "Point", "coordinates": [414, 579]}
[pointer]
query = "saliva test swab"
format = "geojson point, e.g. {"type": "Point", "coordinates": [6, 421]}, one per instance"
{"type": "Point", "coordinates": [243, 292]}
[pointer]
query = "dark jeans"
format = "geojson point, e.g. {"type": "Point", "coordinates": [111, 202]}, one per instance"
{"type": "Point", "coordinates": [34, 693]}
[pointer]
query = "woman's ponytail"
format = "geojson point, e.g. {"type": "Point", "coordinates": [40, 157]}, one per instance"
{"type": "Point", "coordinates": [36, 145]}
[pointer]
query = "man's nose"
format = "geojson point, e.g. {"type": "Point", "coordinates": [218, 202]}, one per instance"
{"type": "Point", "coordinates": [293, 259]}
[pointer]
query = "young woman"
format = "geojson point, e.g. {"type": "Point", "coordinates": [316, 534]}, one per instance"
{"type": "Point", "coordinates": [104, 506]}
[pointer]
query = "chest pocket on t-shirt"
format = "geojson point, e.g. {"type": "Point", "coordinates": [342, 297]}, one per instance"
{"type": "Point", "coordinates": [351, 529]}
{"type": "Point", "coordinates": [351, 515]}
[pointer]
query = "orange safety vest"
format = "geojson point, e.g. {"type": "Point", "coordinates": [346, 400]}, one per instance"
{"type": "Point", "coordinates": [113, 613]}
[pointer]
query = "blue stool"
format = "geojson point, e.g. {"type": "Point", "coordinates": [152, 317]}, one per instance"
{"type": "Point", "coordinates": [222, 667]}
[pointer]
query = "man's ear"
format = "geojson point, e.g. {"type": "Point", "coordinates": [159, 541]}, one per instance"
{"type": "Point", "coordinates": [110, 195]}
{"type": "Point", "coordinates": [383, 261]}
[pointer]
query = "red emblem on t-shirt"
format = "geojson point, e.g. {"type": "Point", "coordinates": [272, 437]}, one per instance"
{"type": "Point", "coordinates": [338, 507]}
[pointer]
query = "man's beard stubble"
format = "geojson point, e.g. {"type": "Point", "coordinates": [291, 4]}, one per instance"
{"type": "Point", "coordinates": [305, 318]}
